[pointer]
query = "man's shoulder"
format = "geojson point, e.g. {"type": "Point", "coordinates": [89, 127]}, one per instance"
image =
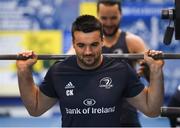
{"type": "Point", "coordinates": [130, 35]}
{"type": "Point", "coordinates": [115, 62]}
{"type": "Point", "coordinates": [66, 63]}
{"type": "Point", "coordinates": [135, 43]}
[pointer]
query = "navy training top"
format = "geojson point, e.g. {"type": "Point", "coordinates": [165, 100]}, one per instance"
{"type": "Point", "coordinates": [91, 98]}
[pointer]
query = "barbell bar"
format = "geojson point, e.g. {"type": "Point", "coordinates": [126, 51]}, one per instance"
{"type": "Point", "coordinates": [132, 56]}
{"type": "Point", "coordinates": [170, 111]}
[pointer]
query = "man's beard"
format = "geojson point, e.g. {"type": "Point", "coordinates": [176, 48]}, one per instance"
{"type": "Point", "coordinates": [111, 34]}
{"type": "Point", "coordinates": [85, 62]}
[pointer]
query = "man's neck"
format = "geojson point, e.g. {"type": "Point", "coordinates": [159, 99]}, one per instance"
{"type": "Point", "coordinates": [111, 40]}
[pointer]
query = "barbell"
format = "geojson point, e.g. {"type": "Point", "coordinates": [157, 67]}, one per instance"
{"type": "Point", "coordinates": [170, 111]}
{"type": "Point", "coordinates": [132, 56]}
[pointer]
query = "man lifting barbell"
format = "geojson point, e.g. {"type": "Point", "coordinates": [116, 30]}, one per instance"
{"type": "Point", "coordinates": [90, 86]}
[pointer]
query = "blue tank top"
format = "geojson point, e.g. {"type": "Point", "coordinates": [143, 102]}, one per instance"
{"type": "Point", "coordinates": [120, 47]}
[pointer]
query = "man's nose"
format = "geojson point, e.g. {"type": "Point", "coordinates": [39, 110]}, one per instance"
{"type": "Point", "coordinates": [88, 50]}
{"type": "Point", "coordinates": [108, 22]}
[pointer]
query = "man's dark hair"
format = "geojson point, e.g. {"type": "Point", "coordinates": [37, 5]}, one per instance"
{"type": "Point", "coordinates": [86, 24]}
{"type": "Point", "coordinates": [109, 2]}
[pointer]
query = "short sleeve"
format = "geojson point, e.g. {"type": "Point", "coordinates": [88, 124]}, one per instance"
{"type": "Point", "coordinates": [47, 86]}
{"type": "Point", "coordinates": [134, 85]}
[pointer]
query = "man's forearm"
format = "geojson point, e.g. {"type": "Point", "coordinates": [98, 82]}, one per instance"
{"type": "Point", "coordinates": [155, 91]}
{"type": "Point", "coordinates": [28, 90]}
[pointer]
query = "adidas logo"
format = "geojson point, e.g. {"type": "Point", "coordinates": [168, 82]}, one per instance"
{"type": "Point", "coordinates": [69, 85]}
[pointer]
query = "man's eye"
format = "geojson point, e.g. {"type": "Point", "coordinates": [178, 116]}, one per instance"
{"type": "Point", "coordinates": [80, 45]}
{"type": "Point", "coordinates": [114, 18]}
{"type": "Point", "coordinates": [103, 18]}
{"type": "Point", "coordinates": [95, 44]}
